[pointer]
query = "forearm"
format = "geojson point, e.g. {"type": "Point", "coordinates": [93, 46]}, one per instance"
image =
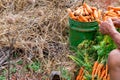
{"type": "Point", "coordinates": [115, 35]}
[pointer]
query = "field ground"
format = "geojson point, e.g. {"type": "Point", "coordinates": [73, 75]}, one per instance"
{"type": "Point", "coordinates": [37, 33]}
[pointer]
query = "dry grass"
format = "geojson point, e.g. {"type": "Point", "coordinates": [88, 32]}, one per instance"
{"type": "Point", "coordinates": [39, 31]}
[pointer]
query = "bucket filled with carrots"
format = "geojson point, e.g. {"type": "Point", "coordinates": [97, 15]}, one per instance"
{"type": "Point", "coordinates": [83, 22]}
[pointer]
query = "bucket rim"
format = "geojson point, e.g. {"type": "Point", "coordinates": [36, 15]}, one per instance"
{"type": "Point", "coordinates": [82, 22]}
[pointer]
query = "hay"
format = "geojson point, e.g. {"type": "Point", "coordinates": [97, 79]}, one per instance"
{"type": "Point", "coordinates": [39, 29]}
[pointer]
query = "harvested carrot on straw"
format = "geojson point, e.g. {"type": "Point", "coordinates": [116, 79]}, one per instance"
{"type": "Point", "coordinates": [87, 8]}
{"type": "Point", "coordinates": [72, 16]}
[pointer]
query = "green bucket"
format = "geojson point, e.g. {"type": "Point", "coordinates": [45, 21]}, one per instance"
{"type": "Point", "coordinates": [80, 31]}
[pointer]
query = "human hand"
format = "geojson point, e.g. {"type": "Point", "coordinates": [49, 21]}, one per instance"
{"type": "Point", "coordinates": [107, 27]}
{"type": "Point", "coordinates": [116, 22]}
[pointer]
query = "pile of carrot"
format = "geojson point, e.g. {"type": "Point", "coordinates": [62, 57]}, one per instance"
{"type": "Point", "coordinates": [99, 72]}
{"type": "Point", "coordinates": [85, 13]}
{"type": "Point", "coordinates": [80, 74]}
{"type": "Point", "coordinates": [111, 12]}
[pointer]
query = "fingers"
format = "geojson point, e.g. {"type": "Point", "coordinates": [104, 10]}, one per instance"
{"type": "Point", "coordinates": [115, 18]}
{"type": "Point", "coordinates": [109, 21]}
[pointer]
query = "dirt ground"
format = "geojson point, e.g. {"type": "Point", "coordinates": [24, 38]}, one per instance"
{"type": "Point", "coordinates": [34, 33]}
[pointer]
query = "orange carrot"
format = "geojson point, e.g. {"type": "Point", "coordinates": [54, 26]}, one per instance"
{"type": "Point", "coordinates": [106, 69]}
{"type": "Point", "coordinates": [108, 77]}
{"type": "Point", "coordinates": [99, 73]}
{"type": "Point", "coordinates": [118, 12]}
{"type": "Point", "coordinates": [95, 14]}
{"type": "Point", "coordinates": [93, 8]}
{"type": "Point", "coordinates": [69, 10]}
{"type": "Point", "coordinates": [105, 18]}
{"type": "Point", "coordinates": [94, 69]}
{"type": "Point", "coordinates": [72, 16]}
{"type": "Point", "coordinates": [78, 77]}
{"type": "Point", "coordinates": [83, 78]}
{"type": "Point", "coordinates": [99, 13]}
{"type": "Point", "coordinates": [100, 66]}
{"type": "Point", "coordinates": [81, 71]}
{"type": "Point", "coordinates": [79, 19]}
{"type": "Point", "coordinates": [89, 20]}
{"type": "Point", "coordinates": [82, 74]}
{"type": "Point", "coordinates": [104, 78]}
{"type": "Point", "coordinates": [103, 74]}
{"type": "Point", "coordinates": [116, 8]}
{"type": "Point", "coordinates": [92, 16]}
{"type": "Point", "coordinates": [87, 8]}
{"type": "Point", "coordinates": [87, 17]}
{"type": "Point", "coordinates": [110, 7]}
{"type": "Point", "coordinates": [98, 20]}
{"type": "Point", "coordinates": [83, 18]}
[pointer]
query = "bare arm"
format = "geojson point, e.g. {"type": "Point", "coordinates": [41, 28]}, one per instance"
{"type": "Point", "coordinates": [115, 35]}
{"type": "Point", "coordinates": [107, 27]}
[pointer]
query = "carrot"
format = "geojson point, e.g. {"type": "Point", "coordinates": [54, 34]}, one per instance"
{"type": "Point", "coordinates": [82, 74]}
{"type": "Point", "coordinates": [83, 78]}
{"type": "Point", "coordinates": [78, 77]}
{"type": "Point", "coordinates": [92, 16]}
{"type": "Point", "coordinates": [78, 12]}
{"type": "Point", "coordinates": [94, 69]}
{"type": "Point", "coordinates": [89, 20]}
{"type": "Point", "coordinates": [118, 12]}
{"type": "Point", "coordinates": [69, 10]}
{"type": "Point", "coordinates": [99, 73]}
{"type": "Point", "coordinates": [81, 71]}
{"type": "Point", "coordinates": [93, 8]}
{"type": "Point", "coordinates": [108, 77]}
{"type": "Point", "coordinates": [109, 8]}
{"type": "Point", "coordinates": [83, 18]}
{"type": "Point", "coordinates": [87, 17]}
{"type": "Point", "coordinates": [79, 19]}
{"type": "Point", "coordinates": [106, 69]}
{"type": "Point", "coordinates": [79, 74]}
{"type": "Point", "coordinates": [110, 13]}
{"type": "Point", "coordinates": [105, 18]}
{"type": "Point", "coordinates": [100, 66]}
{"type": "Point", "coordinates": [72, 16]}
{"type": "Point", "coordinates": [95, 14]}
{"type": "Point", "coordinates": [103, 74]}
{"type": "Point", "coordinates": [82, 11]}
{"type": "Point", "coordinates": [99, 14]}
{"type": "Point", "coordinates": [98, 20]}
{"type": "Point", "coordinates": [104, 78]}
{"type": "Point", "coordinates": [116, 8]}
{"type": "Point", "coordinates": [87, 8]}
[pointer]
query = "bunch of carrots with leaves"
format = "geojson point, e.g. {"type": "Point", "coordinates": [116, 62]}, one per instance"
{"type": "Point", "coordinates": [97, 52]}
{"type": "Point", "coordinates": [85, 13]}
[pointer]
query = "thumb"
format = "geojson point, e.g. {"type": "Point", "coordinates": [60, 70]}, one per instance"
{"type": "Point", "coordinates": [109, 20]}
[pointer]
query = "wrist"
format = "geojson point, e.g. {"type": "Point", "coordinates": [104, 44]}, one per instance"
{"type": "Point", "coordinates": [113, 32]}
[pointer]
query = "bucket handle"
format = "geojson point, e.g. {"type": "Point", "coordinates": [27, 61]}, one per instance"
{"type": "Point", "coordinates": [83, 30]}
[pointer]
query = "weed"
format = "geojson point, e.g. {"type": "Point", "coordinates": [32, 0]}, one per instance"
{"type": "Point", "coordinates": [35, 66]}
{"type": "Point", "coordinates": [65, 74]}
